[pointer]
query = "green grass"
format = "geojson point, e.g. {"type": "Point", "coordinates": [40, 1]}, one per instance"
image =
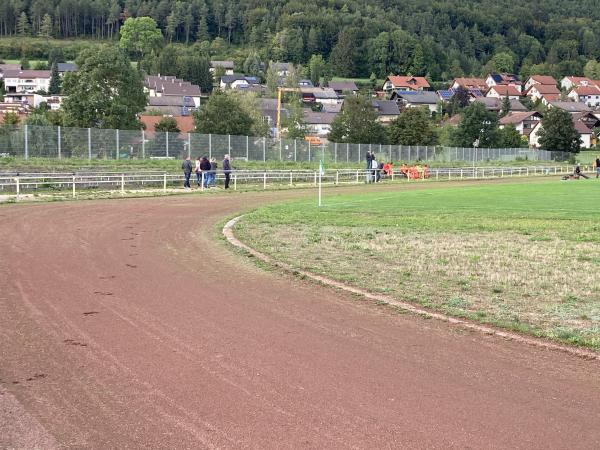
{"type": "Point", "coordinates": [523, 256]}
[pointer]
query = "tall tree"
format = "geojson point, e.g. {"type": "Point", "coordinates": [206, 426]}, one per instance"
{"type": "Point", "coordinates": [223, 114]}
{"type": "Point", "coordinates": [46, 27]}
{"type": "Point", "coordinates": [357, 123]}
{"type": "Point", "coordinates": [477, 125]}
{"type": "Point", "coordinates": [412, 127]}
{"type": "Point", "coordinates": [140, 36]}
{"type": "Point", "coordinates": [105, 92]}
{"type": "Point", "coordinates": [55, 81]}
{"type": "Point", "coordinates": [558, 132]}
{"type": "Point", "coordinates": [316, 69]}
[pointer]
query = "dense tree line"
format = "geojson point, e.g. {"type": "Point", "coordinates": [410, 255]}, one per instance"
{"type": "Point", "coordinates": [441, 39]}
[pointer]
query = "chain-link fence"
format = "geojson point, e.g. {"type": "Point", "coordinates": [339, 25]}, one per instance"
{"type": "Point", "coordinates": [29, 141]}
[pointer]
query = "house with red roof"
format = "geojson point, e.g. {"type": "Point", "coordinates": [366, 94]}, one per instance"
{"type": "Point", "coordinates": [405, 83]}
{"type": "Point", "coordinates": [502, 91]}
{"type": "Point", "coordinates": [544, 80]}
{"type": "Point", "coordinates": [470, 84]}
{"type": "Point", "coordinates": [503, 79]}
{"type": "Point", "coordinates": [524, 121]}
{"type": "Point", "coordinates": [544, 92]}
{"type": "Point", "coordinates": [590, 95]}
{"type": "Point", "coordinates": [568, 83]}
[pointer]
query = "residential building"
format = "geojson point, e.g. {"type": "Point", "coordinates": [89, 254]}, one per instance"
{"type": "Point", "coordinates": [470, 84]}
{"type": "Point", "coordinates": [226, 65]}
{"type": "Point", "coordinates": [305, 83]}
{"type": "Point", "coordinates": [282, 68]}
{"type": "Point", "coordinates": [341, 88]}
{"type": "Point", "coordinates": [387, 110]}
{"type": "Point", "coordinates": [66, 67]}
{"type": "Point", "coordinates": [318, 123]}
{"type": "Point", "coordinates": [524, 121]}
{"type": "Point", "coordinates": [568, 83]}
{"type": "Point", "coordinates": [572, 107]}
{"type": "Point", "coordinates": [544, 92]}
{"type": "Point", "coordinates": [412, 99]}
{"type": "Point", "coordinates": [26, 81]}
{"type": "Point", "coordinates": [590, 95]}
{"type": "Point", "coordinates": [501, 91]}
{"type": "Point", "coordinates": [8, 67]}
{"type": "Point", "coordinates": [171, 105]}
{"type": "Point", "coordinates": [544, 80]}
{"type": "Point", "coordinates": [580, 121]}
{"type": "Point", "coordinates": [237, 81]}
{"type": "Point", "coordinates": [503, 79]}
{"type": "Point", "coordinates": [319, 95]}
{"type": "Point", "coordinates": [163, 86]}
{"type": "Point", "coordinates": [404, 83]}
{"type": "Point", "coordinates": [494, 104]}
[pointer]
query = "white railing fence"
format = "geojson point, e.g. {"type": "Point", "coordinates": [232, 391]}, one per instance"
{"type": "Point", "coordinates": [30, 141]}
{"type": "Point", "coordinates": [13, 186]}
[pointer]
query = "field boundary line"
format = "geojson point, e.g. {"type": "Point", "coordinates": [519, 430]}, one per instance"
{"type": "Point", "coordinates": [409, 307]}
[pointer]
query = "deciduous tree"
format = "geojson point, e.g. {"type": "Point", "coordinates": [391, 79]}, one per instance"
{"type": "Point", "coordinates": [357, 123]}
{"type": "Point", "coordinates": [558, 132]}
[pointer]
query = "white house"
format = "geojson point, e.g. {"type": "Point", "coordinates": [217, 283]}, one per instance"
{"type": "Point", "coordinates": [318, 123]}
{"type": "Point", "coordinates": [590, 95]}
{"type": "Point", "coordinates": [585, 133]}
{"type": "Point", "coordinates": [524, 122]}
{"type": "Point", "coordinates": [501, 91]}
{"type": "Point", "coordinates": [24, 81]}
{"type": "Point", "coordinates": [568, 83]}
{"type": "Point", "coordinates": [503, 79]}
{"type": "Point", "coordinates": [544, 92]}
{"type": "Point", "coordinates": [544, 80]}
{"type": "Point", "coordinates": [404, 83]}
{"type": "Point", "coordinates": [325, 96]}
{"type": "Point", "coordinates": [226, 65]}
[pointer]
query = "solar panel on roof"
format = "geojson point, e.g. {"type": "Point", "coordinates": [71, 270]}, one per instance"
{"type": "Point", "coordinates": [475, 92]}
{"type": "Point", "coordinates": [446, 94]}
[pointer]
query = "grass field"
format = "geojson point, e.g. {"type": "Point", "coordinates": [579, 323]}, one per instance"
{"type": "Point", "coordinates": [520, 256]}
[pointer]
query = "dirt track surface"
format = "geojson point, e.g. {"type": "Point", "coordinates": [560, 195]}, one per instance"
{"type": "Point", "coordinates": [130, 324]}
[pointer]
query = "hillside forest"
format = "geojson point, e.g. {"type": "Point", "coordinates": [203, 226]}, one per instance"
{"type": "Point", "coordinates": [440, 39]}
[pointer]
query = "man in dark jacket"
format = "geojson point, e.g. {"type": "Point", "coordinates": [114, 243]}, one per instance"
{"type": "Point", "coordinates": [226, 170]}
{"type": "Point", "coordinates": [205, 169]}
{"type": "Point", "coordinates": [370, 157]}
{"type": "Point", "coordinates": [186, 166]}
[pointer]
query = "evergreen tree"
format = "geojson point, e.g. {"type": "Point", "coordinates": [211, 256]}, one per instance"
{"type": "Point", "coordinates": [55, 82]}
{"type": "Point", "coordinates": [505, 106]}
{"type": "Point", "coordinates": [46, 27]}
{"type": "Point", "coordinates": [509, 137]}
{"type": "Point", "coordinates": [316, 69]}
{"type": "Point", "coordinates": [558, 132]}
{"type": "Point", "coordinates": [23, 28]}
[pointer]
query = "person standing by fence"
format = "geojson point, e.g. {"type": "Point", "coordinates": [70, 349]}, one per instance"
{"type": "Point", "coordinates": [226, 170]}
{"type": "Point", "coordinates": [213, 172]}
{"type": "Point", "coordinates": [186, 166]}
{"type": "Point", "coordinates": [205, 170]}
{"type": "Point", "coordinates": [198, 171]}
{"type": "Point", "coordinates": [597, 166]}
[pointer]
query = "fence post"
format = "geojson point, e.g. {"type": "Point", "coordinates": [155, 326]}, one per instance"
{"type": "Point", "coordinates": [167, 144]}
{"type": "Point", "coordinates": [73, 186]}
{"type": "Point", "coordinates": [143, 144]}
{"type": "Point", "coordinates": [26, 141]}
{"type": "Point", "coordinates": [335, 152]}
{"type": "Point", "coordinates": [234, 181]}
{"type": "Point", "coordinates": [228, 144]}
{"type": "Point", "coordinates": [18, 186]}
{"type": "Point", "coordinates": [295, 150]}
{"type": "Point", "coordinates": [280, 144]}
{"type": "Point", "coordinates": [337, 177]}
{"type": "Point", "coordinates": [90, 143]}
{"type": "Point", "coordinates": [264, 149]}
{"type": "Point", "coordinates": [291, 178]}
{"type": "Point", "coordinates": [122, 184]}
{"type": "Point", "coordinates": [309, 159]}
{"type": "Point", "coordinates": [118, 145]}
{"type": "Point", "coordinates": [347, 152]}
{"type": "Point", "coordinates": [390, 154]}
{"type": "Point", "coordinates": [359, 153]}
{"type": "Point", "coordinates": [58, 143]}
{"type": "Point", "coordinates": [247, 148]}
{"type": "Point", "coordinates": [315, 178]}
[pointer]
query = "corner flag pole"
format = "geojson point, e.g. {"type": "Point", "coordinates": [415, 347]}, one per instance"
{"type": "Point", "coordinates": [320, 180]}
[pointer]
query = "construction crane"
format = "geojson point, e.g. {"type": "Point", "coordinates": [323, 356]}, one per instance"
{"type": "Point", "coordinates": [280, 90]}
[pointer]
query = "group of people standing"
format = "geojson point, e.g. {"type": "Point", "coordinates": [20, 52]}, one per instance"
{"type": "Point", "coordinates": [206, 171]}
{"type": "Point", "coordinates": [375, 170]}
